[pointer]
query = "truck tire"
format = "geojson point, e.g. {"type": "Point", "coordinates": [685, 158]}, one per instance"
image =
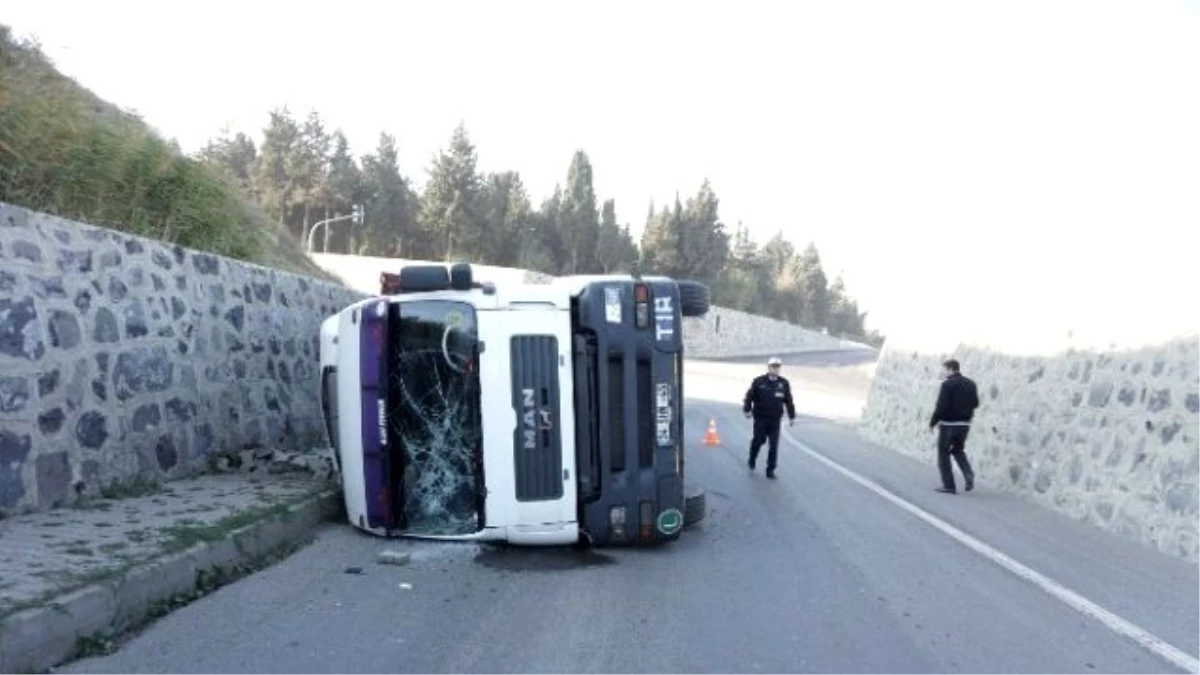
{"type": "Point", "coordinates": [460, 277]}
{"type": "Point", "coordinates": [695, 507]}
{"type": "Point", "coordinates": [693, 298]}
{"type": "Point", "coordinates": [418, 278]}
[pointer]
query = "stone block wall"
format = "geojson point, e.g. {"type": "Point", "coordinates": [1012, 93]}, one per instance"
{"type": "Point", "coordinates": [533, 278]}
{"type": "Point", "coordinates": [1106, 436]}
{"type": "Point", "coordinates": [730, 333]}
{"type": "Point", "coordinates": [122, 356]}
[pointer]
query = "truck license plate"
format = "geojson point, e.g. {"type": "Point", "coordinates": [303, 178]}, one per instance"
{"type": "Point", "coordinates": [663, 413]}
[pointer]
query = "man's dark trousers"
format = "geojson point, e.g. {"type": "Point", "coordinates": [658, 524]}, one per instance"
{"type": "Point", "coordinates": [766, 429]}
{"type": "Point", "coordinates": [952, 439]}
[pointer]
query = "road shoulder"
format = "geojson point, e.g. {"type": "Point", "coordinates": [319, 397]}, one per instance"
{"type": "Point", "coordinates": [77, 580]}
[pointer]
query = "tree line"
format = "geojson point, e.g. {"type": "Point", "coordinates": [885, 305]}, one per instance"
{"type": "Point", "coordinates": [300, 172]}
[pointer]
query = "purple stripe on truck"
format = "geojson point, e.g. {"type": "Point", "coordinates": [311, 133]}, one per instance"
{"type": "Point", "coordinates": [373, 371]}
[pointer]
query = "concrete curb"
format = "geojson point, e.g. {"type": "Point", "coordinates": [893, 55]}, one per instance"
{"type": "Point", "coordinates": [35, 639]}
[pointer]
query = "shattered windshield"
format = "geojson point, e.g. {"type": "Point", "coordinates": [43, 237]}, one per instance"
{"type": "Point", "coordinates": [435, 414]}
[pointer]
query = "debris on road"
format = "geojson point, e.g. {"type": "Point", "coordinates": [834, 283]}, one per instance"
{"type": "Point", "coordinates": [393, 558]}
{"type": "Point", "coordinates": [406, 587]}
{"type": "Point", "coordinates": [354, 570]}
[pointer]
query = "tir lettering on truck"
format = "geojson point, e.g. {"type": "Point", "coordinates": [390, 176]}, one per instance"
{"type": "Point", "coordinates": [664, 318]}
{"type": "Point", "coordinates": [537, 439]}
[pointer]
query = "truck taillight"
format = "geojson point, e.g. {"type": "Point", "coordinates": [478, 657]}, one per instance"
{"type": "Point", "coordinates": [641, 305]}
{"type": "Point", "coordinates": [385, 506]}
{"type": "Point", "coordinates": [389, 284]}
{"type": "Point", "coordinates": [647, 521]}
{"type": "Point", "coordinates": [616, 521]}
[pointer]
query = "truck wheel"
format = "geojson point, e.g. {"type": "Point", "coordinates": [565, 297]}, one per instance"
{"type": "Point", "coordinates": [695, 507]}
{"type": "Point", "coordinates": [418, 278]}
{"type": "Point", "coordinates": [693, 298]}
{"type": "Point", "coordinates": [460, 277]}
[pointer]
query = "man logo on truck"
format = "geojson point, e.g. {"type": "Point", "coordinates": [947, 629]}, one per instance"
{"type": "Point", "coordinates": [534, 418]}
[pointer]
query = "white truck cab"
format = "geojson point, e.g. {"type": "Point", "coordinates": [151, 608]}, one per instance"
{"type": "Point", "coordinates": [532, 414]}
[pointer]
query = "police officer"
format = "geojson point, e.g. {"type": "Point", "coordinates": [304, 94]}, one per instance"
{"type": "Point", "coordinates": [952, 414]}
{"type": "Point", "coordinates": [769, 395]}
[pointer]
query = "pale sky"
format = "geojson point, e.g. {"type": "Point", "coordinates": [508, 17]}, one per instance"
{"type": "Point", "coordinates": [944, 155]}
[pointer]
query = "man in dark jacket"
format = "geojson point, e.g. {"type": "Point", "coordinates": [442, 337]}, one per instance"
{"type": "Point", "coordinates": [769, 395]}
{"type": "Point", "coordinates": [952, 415]}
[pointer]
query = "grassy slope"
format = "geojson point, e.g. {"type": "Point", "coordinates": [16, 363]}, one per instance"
{"type": "Point", "coordinates": [65, 151]}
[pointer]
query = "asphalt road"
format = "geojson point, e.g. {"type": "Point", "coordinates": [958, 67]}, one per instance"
{"type": "Point", "coordinates": [809, 573]}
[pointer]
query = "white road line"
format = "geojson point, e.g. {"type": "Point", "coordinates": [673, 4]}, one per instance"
{"type": "Point", "coordinates": [1074, 600]}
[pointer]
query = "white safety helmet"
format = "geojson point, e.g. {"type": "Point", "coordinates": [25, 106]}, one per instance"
{"type": "Point", "coordinates": [774, 361]}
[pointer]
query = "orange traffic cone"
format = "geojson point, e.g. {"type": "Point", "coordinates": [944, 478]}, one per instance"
{"type": "Point", "coordinates": [710, 437]}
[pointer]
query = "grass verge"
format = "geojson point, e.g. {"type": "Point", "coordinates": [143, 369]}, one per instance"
{"type": "Point", "coordinates": [67, 152]}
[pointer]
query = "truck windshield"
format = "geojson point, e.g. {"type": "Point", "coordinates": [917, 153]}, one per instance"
{"type": "Point", "coordinates": [434, 415]}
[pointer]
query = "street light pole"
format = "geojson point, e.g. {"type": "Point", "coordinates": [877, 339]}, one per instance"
{"type": "Point", "coordinates": [356, 216]}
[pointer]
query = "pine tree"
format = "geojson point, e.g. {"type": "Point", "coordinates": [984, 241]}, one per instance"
{"type": "Point", "coordinates": [310, 169]}
{"type": "Point", "coordinates": [235, 157]}
{"type": "Point", "coordinates": [345, 189]}
{"type": "Point", "coordinates": [508, 217]}
{"type": "Point", "coordinates": [391, 226]}
{"type": "Point", "coordinates": [274, 181]}
{"type": "Point", "coordinates": [578, 223]}
{"type": "Point", "coordinates": [452, 206]}
{"type": "Point", "coordinates": [703, 242]}
{"type": "Point", "coordinates": [615, 250]}
{"type": "Point", "coordinates": [812, 287]}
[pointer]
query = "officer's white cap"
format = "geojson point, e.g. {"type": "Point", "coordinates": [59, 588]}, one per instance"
{"type": "Point", "coordinates": [774, 361]}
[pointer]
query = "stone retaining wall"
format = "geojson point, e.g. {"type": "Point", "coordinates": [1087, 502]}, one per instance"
{"type": "Point", "coordinates": [1107, 437]}
{"type": "Point", "coordinates": [121, 356]}
{"type": "Point", "coordinates": [727, 333]}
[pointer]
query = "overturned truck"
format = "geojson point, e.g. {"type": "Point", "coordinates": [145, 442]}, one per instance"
{"type": "Point", "coordinates": [532, 414]}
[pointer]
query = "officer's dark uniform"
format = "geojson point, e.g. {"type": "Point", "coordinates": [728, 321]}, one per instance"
{"type": "Point", "coordinates": [955, 408]}
{"type": "Point", "coordinates": [767, 399]}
